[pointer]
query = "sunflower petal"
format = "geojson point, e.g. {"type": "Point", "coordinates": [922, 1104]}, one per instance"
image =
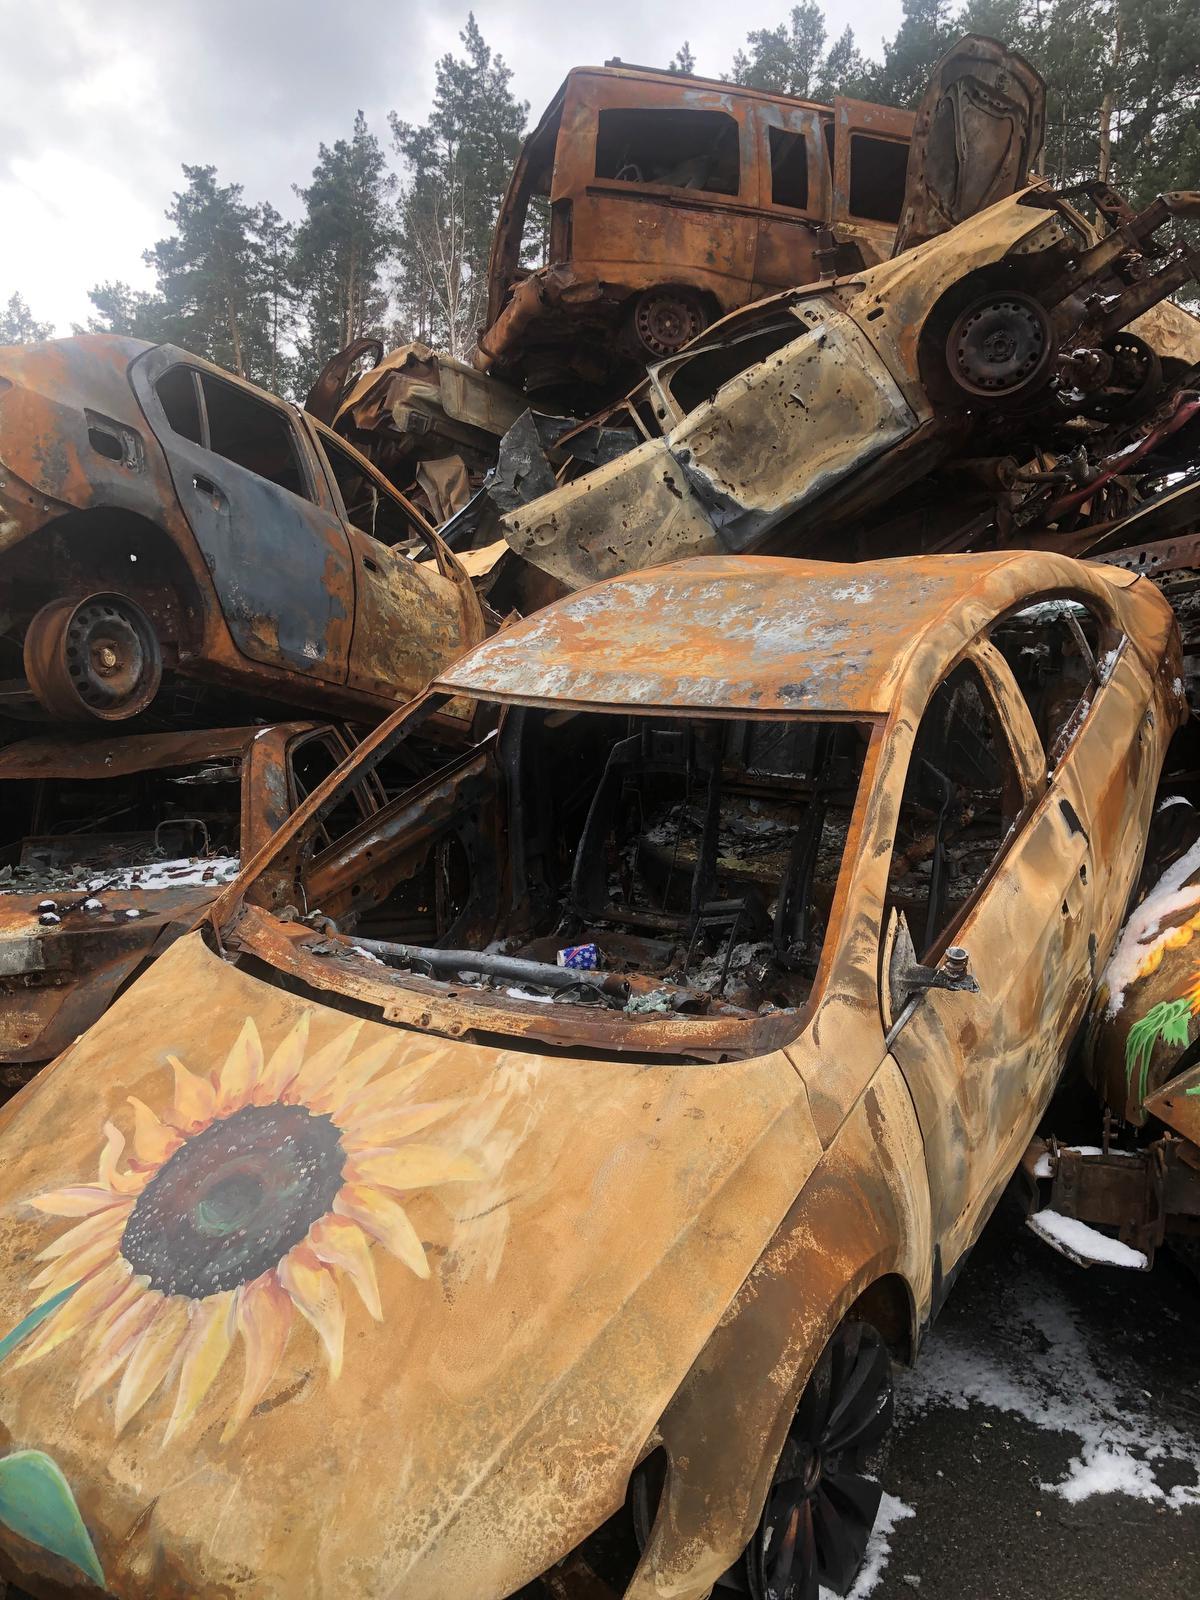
{"type": "Point", "coordinates": [153, 1356]}
{"type": "Point", "coordinates": [99, 1225]}
{"type": "Point", "coordinates": [241, 1070]}
{"type": "Point", "coordinates": [134, 1288]}
{"type": "Point", "coordinates": [207, 1341]}
{"type": "Point", "coordinates": [284, 1064]}
{"type": "Point", "coordinates": [390, 1092]}
{"type": "Point", "coordinates": [114, 1349]}
{"type": "Point", "coordinates": [110, 1176]}
{"type": "Point", "coordinates": [153, 1140]}
{"type": "Point", "coordinates": [386, 1220]}
{"type": "Point", "coordinates": [77, 1265]}
{"type": "Point", "coordinates": [322, 1065]}
{"type": "Point", "coordinates": [264, 1319]}
{"type": "Point", "coordinates": [314, 1293]}
{"type": "Point", "coordinates": [412, 1166]}
{"type": "Point", "coordinates": [80, 1200]}
{"type": "Point", "coordinates": [195, 1099]}
{"type": "Point", "coordinates": [77, 1312]}
{"type": "Point", "coordinates": [344, 1087]}
{"type": "Point", "coordinates": [340, 1242]}
{"type": "Point", "coordinates": [389, 1127]}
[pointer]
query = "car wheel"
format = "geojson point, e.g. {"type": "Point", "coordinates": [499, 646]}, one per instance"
{"type": "Point", "coordinates": [1000, 347]}
{"type": "Point", "coordinates": [93, 659]}
{"type": "Point", "coordinates": [821, 1506]}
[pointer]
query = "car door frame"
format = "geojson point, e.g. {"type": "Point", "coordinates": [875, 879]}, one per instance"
{"type": "Point", "coordinates": [979, 1078]}
{"type": "Point", "coordinates": [291, 618]}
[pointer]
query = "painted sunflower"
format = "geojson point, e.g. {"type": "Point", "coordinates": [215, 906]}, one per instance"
{"type": "Point", "coordinates": [255, 1196]}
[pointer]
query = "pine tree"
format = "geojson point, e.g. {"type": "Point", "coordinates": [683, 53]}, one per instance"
{"type": "Point", "coordinates": [683, 60]}
{"type": "Point", "coordinates": [342, 247]}
{"type": "Point", "coordinates": [210, 276]}
{"type": "Point", "coordinates": [135, 313]}
{"type": "Point", "coordinates": [458, 165]}
{"type": "Point", "coordinates": [276, 241]}
{"type": "Point", "coordinates": [926, 33]}
{"type": "Point", "coordinates": [792, 59]}
{"type": "Point", "coordinates": [18, 324]}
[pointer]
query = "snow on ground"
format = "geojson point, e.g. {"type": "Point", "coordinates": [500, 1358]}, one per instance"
{"type": "Point", "coordinates": [879, 1548]}
{"type": "Point", "coordinates": [1068, 1389]}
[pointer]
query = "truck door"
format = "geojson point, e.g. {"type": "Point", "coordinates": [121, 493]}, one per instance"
{"type": "Point", "coordinates": [259, 511]}
{"type": "Point", "coordinates": [794, 195]}
{"type": "Point", "coordinates": [987, 856]}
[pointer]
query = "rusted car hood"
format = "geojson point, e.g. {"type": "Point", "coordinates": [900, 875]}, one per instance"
{"type": "Point", "coordinates": [562, 1236]}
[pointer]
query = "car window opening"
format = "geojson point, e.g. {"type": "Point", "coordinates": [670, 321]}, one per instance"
{"type": "Point", "coordinates": [1058, 652]}
{"type": "Point", "coordinates": [252, 434]}
{"type": "Point", "coordinates": [789, 169]}
{"type": "Point", "coordinates": [652, 866]}
{"type": "Point", "coordinates": [962, 797]}
{"type": "Point", "coordinates": [698, 377]}
{"type": "Point", "coordinates": [878, 168]}
{"type": "Point", "coordinates": [680, 149]}
{"type": "Point", "coordinates": [368, 507]}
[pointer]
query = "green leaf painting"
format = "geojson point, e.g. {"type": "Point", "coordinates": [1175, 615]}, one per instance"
{"type": "Point", "coordinates": [34, 1320]}
{"type": "Point", "coordinates": [1168, 1021]}
{"type": "Point", "coordinates": [36, 1502]}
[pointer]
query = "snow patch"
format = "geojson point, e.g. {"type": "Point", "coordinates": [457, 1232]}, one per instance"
{"type": "Point", "coordinates": [892, 1512]}
{"type": "Point", "coordinates": [368, 955]}
{"type": "Point", "coordinates": [1172, 800]}
{"type": "Point", "coordinates": [1041, 1368]}
{"type": "Point", "coordinates": [529, 994]}
{"type": "Point", "coordinates": [1045, 1165]}
{"type": "Point", "coordinates": [1084, 1242]}
{"type": "Point", "coordinates": [1143, 933]}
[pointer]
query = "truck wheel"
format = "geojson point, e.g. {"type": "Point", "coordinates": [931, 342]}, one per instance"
{"type": "Point", "coordinates": [93, 659]}
{"type": "Point", "coordinates": [821, 1506]}
{"type": "Point", "coordinates": [1000, 347]}
{"type": "Point", "coordinates": [664, 320]}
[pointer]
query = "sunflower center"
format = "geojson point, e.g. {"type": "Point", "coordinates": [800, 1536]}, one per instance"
{"type": "Point", "coordinates": [234, 1199]}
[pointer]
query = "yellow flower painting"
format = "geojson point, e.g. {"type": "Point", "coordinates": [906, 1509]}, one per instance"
{"type": "Point", "coordinates": [260, 1192]}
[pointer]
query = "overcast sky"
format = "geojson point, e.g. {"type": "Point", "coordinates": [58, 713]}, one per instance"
{"type": "Point", "coordinates": [99, 105]}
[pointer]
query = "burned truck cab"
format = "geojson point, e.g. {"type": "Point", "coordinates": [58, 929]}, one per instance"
{"type": "Point", "coordinates": [666, 201]}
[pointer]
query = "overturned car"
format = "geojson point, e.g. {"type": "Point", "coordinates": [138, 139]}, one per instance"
{"type": "Point", "coordinates": [1010, 376]}
{"type": "Point", "coordinates": [580, 1136]}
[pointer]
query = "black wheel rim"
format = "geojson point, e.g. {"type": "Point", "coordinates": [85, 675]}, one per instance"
{"type": "Point", "coordinates": [821, 1506]}
{"type": "Point", "coordinates": [1000, 346]}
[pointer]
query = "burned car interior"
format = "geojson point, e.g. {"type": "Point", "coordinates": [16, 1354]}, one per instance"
{"type": "Point", "coordinates": [69, 831]}
{"type": "Point", "coordinates": [699, 855]}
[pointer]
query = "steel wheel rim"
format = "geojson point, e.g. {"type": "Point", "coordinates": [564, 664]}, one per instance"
{"type": "Point", "coordinates": [96, 657]}
{"type": "Point", "coordinates": [664, 323]}
{"type": "Point", "coordinates": [1000, 346]}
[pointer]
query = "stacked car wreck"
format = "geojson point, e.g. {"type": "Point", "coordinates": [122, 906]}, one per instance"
{"type": "Point", "coordinates": [571, 1080]}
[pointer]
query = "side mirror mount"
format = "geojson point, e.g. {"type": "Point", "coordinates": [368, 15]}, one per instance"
{"type": "Point", "coordinates": [908, 979]}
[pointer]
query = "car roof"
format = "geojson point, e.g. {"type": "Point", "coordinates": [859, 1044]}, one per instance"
{"type": "Point", "coordinates": [749, 633]}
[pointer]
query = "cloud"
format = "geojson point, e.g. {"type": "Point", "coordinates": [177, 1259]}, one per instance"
{"type": "Point", "coordinates": [100, 107]}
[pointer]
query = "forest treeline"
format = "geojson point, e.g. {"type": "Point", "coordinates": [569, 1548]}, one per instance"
{"type": "Point", "coordinates": [394, 227]}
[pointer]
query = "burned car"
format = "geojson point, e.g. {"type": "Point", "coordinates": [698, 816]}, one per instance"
{"type": "Point", "coordinates": [158, 514]}
{"type": "Point", "coordinates": [1018, 367]}
{"type": "Point", "coordinates": [561, 1155]}
{"type": "Point", "coordinates": [115, 847]}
